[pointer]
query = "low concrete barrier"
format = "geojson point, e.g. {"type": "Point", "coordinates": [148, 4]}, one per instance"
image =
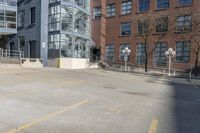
{"type": "Point", "coordinates": [32, 62]}
{"type": "Point", "coordinates": [71, 63]}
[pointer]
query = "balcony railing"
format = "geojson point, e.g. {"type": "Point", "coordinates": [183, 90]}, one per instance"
{"type": "Point", "coordinates": [12, 3]}
{"type": "Point", "coordinates": [7, 24]}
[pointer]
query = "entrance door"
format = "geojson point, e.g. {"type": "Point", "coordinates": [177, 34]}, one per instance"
{"type": "Point", "coordinates": [12, 48]}
{"type": "Point", "coordinates": [32, 49]}
{"type": "Point", "coordinates": [95, 54]}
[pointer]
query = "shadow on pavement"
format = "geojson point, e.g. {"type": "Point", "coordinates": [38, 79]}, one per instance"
{"type": "Point", "coordinates": [186, 107]}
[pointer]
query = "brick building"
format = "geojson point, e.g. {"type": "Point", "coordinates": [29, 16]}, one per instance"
{"type": "Point", "coordinates": [117, 24]}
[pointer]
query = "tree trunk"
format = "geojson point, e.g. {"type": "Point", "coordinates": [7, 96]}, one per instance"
{"type": "Point", "coordinates": [146, 63]}
{"type": "Point", "coordinates": [196, 64]}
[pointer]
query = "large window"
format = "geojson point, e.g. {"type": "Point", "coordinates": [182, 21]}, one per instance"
{"type": "Point", "coordinates": [54, 45]}
{"type": "Point", "coordinates": [97, 12]}
{"type": "Point", "coordinates": [162, 25]}
{"type": "Point", "coordinates": [111, 9]}
{"type": "Point", "coordinates": [32, 15]}
{"type": "Point", "coordinates": [184, 2]}
{"type": "Point", "coordinates": [159, 54]}
{"type": "Point", "coordinates": [109, 55]}
{"type": "Point", "coordinates": [183, 51]}
{"type": "Point", "coordinates": [122, 47]}
{"type": "Point", "coordinates": [21, 18]}
{"type": "Point", "coordinates": [184, 23]}
{"type": "Point", "coordinates": [126, 7]}
{"type": "Point", "coordinates": [140, 54]}
{"type": "Point", "coordinates": [126, 29]}
{"type": "Point", "coordinates": [144, 5]}
{"type": "Point", "coordinates": [7, 19]}
{"type": "Point", "coordinates": [162, 4]}
{"type": "Point", "coordinates": [143, 27]}
{"type": "Point", "coordinates": [54, 18]}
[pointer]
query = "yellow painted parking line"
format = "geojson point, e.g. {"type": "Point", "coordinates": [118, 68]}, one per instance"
{"type": "Point", "coordinates": [46, 117]}
{"type": "Point", "coordinates": [153, 126]}
{"type": "Point", "coordinates": [114, 110]}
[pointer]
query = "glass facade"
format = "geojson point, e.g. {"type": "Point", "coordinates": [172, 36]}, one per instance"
{"type": "Point", "coordinates": [69, 29]}
{"type": "Point", "coordinates": [7, 16]}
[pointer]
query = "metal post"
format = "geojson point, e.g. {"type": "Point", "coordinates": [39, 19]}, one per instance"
{"type": "Point", "coordinates": [169, 65]}
{"type": "Point", "coordinates": [1, 53]}
{"type": "Point", "coordinates": [125, 65]}
{"type": "Point", "coordinates": [20, 56]}
{"type": "Point", "coordinates": [190, 73]}
{"type": "Point", "coordinates": [126, 53]}
{"type": "Point", "coordinates": [5, 53]}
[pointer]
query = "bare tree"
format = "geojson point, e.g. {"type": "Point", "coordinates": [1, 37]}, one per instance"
{"type": "Point", "coordinates": [193, 36]}
{"type": "Point", "coordinates": [154, 29]}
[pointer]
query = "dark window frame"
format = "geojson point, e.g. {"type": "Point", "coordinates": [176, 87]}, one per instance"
{"type": "Point", "coordinates": [183, 51]}
{"type": "Point", "coordinates": [110, 52]}
{"type": "Point", "coordinates": [160, 58]}
{"type": "Point", "coordinates": [144, 5]}
{"type": "Point", "coordinates": [140, 54]}
{"type": "Point", "coordinates": [111, 10]}
{"type": "Point", "coordinates": [162, 25]}
{"type": "Point", "coordinates": [126, 7]}
{"type": "Point", "coordinates": [33, 15]}
{"type": "Point", "coordinates": [97, 12]}
{"type": "Point", "coordinates": [162, 4]}
{"type": "Point", "coordinates": [184, 2]}
{"type": "Point", "coordinates": [125, 29]}
{"type": "Point", "coordinates": [182, 25]}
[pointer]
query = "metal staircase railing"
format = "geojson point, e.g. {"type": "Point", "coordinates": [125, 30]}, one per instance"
{"type": "Point", "coordinates": [11, 53]}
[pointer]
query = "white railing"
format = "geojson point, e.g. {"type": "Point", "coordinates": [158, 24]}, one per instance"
{"type": "Point", "coordinates": [11, 53]}
{"type": "Point", "coordinates": [12, 3]}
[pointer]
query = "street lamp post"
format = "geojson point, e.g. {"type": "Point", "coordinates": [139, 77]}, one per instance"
{"type": "Point", "coordinates": [170, 53]}
{"type": "Point", "coordinates": [126, 52]}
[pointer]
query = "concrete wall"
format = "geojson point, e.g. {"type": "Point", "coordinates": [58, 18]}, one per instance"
{"type": "Point", "coordinates": [73, 63]}
{"type": "Point", "coordinates": [69, 63]}
{"type": "Point", "coordinates": [53, 63]}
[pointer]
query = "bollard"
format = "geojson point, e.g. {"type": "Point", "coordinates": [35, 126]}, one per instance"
{"type": "Point", "coordinates": [163, 72]}
{"type": "Point", "coordinates": [174, 73]}
{"type": "Point", "coordinates": [190, 74]}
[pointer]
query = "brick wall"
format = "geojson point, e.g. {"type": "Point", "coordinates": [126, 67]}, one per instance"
{"type": "Point", "coordinates": [112, 27]}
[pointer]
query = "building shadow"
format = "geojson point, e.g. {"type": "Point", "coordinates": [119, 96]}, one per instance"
{"type": "Point", "coordinates": [186, 106]}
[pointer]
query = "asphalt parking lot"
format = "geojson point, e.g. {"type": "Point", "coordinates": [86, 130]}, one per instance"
{"type": "Point", "coordinates": [53, 100]}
